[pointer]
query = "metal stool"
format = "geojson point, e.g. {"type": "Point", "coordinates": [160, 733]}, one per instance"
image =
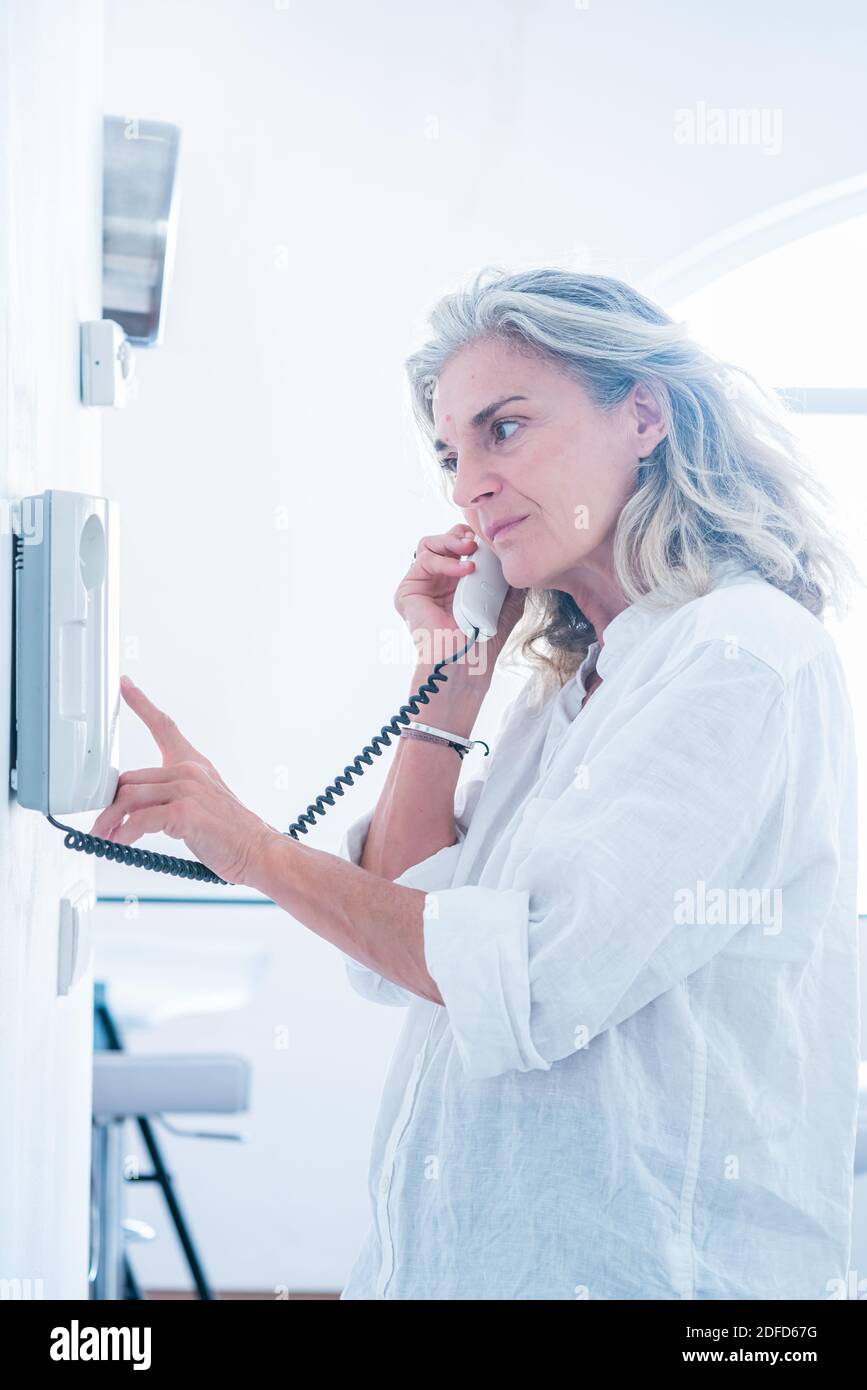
{"type": "Point", "coordinates": [138, 1086]}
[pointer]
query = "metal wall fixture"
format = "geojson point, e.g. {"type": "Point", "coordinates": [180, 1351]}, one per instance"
{"type": "Point", "coordinates": [140, 211]}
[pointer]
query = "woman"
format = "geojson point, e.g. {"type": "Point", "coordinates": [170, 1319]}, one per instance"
{"type": "Point", "coordinates": [627, 951]}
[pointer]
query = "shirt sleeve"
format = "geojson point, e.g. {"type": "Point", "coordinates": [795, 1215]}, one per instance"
{"type": "Point", "coordinates": [437, 871]}
{"type": "Point", "coordinates": [594, 921]}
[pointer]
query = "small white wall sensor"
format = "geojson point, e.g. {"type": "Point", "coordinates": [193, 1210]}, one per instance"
{"type": "Point", "coordinates": [107, 363]}
{"type": "Point", "coordinates": [74, 935]}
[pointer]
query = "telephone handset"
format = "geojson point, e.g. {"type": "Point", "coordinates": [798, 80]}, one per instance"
{"type": "Point", "coordinates": [480, 594]}
{"type": "Point", "coordinates": [67, 690]}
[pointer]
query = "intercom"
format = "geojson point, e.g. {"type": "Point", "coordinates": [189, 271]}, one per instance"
{"type": "Point", "coordinates": [67, 679]}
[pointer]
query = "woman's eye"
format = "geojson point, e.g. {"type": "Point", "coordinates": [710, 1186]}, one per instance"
{"type": "Point", "coordinates": [450, 464]}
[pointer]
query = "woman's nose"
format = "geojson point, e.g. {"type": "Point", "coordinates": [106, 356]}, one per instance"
{"type": "Point", "coordinates": [474, 481]}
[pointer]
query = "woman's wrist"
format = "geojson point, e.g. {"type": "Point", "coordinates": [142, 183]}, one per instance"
{"type": "Point", "coordinates": [456, 704]}
{"type": "Point", "coordinates": [260, 861]}
{"type": "Point", "coordinates": [451, 715]}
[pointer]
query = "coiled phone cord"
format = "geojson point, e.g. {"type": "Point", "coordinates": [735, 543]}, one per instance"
{"type": "Point", "coordinates": [192, 868]}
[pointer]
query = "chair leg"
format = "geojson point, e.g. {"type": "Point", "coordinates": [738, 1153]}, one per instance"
{"type": "Point", "coordinates": [114, 1043]}
{"type": "Point", "coordinates": [106, 1159]}
{"type": "Point", "coordinates": [162, 1176]}
{"type": "Point", "coordinates": [132, 1288]}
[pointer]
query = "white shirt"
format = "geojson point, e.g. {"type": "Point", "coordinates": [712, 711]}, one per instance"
{"type": "Point", "coordinates": [644, 1081]}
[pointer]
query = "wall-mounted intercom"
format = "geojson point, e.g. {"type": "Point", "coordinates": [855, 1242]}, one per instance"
{"type": "Point", "coordinates": [67, 679]}
{"type": "Point", "coordinates": [140, 198]}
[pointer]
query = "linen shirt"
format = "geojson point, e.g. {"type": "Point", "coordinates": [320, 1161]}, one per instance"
{"type": "Point", "coordinates": [644, 1081]}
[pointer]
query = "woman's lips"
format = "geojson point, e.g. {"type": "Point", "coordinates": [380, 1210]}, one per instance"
{"type": "Point", "coordinates": [504, 530]}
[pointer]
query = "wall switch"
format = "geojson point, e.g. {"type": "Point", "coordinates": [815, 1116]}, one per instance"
{"type": "Point", "coordinates": [75, 935]}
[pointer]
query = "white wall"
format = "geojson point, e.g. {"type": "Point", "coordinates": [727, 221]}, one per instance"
{"type": "Point", "coordinates": [343, 165]}
{"type": "Point", "coordinates": [50, 266]}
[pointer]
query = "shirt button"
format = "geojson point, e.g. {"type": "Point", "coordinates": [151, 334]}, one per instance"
{"type": "Point", "coordinates": [383, 1184]}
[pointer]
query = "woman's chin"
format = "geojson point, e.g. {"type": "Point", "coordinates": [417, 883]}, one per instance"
{"type": "Point", "coordinates": [521, 571]}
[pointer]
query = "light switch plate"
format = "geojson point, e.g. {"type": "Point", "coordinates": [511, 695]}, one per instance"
{"type": "Point", "coordinates": [75, 935]}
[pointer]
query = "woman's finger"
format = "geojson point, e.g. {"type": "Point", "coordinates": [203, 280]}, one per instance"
{"type": "Point", "coordinates": [149, 774]}
{"type": "Point", "coordinates": [432, 563]}
{"type": "Point", "coordinates": [460, 537]}
{"type": "Point", "coordinates": [155, 783]}
{"type": "Point", "coordinates": [149, 821]}
{"type": "Point", "coordinates": [452, 542]}
{"type": "Point", "coordinates": [135, 796]}
{"type": "Point", "coordinates": [165, 731]}
{"type": "Point", "coordinates": [193, 771]}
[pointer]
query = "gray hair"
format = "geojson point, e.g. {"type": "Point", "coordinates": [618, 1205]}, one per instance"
{"type": "Point", "coordinates": [729, 480]}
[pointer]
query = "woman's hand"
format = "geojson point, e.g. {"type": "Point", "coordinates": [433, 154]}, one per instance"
{"type": "Point", "coordinates": [425, 596]}
{"type": "Point", "coordinates": [186, 798]}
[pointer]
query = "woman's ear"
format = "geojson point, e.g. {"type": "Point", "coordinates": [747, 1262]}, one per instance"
{"type": "Point", "coordinates": [648, 423]}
